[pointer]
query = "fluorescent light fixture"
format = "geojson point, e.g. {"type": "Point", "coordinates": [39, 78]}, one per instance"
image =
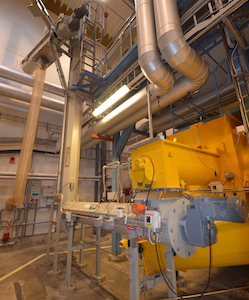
{"type": "Point", "coordinates": [111, 100]}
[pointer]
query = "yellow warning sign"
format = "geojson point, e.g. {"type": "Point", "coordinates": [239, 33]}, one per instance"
{"type": "Point", "coordinates": [170, 155]}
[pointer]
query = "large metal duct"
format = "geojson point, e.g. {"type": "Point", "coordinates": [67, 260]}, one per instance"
{"type": "Point", "coordinates": [181, 55]}
{"type": "Point", "coordinates": [160, 123]}
{"type": "Point", "coordinates": [173, 46]}
{"type": "Point", "coordinates": [149, 57]}
{"type": "Point", "coordinates": [27, 79]}
{"type": "Point", "coordinates": [20, 94]}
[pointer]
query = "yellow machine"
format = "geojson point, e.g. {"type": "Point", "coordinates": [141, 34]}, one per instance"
{"type": "Point", "coordinates": [208, 158]}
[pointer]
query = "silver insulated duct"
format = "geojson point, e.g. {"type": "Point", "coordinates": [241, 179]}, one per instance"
{"type": "Point", "coordinates": [149, 57]}
{"type": "Point", "coordinates": [174, 48]}
{"type": "Point", "coordinates": [178, 54]}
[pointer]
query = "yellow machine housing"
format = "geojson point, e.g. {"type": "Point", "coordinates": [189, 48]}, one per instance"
{"type": "Point", "coordinates": [192, 159]}
{"type": "Point", "coordinates": [166, 164]}
{"type": "Point", "coordinates": [233, 151]}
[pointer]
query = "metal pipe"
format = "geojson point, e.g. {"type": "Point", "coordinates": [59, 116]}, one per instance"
{"type": "Point", "coordinates": [82, 236]}
{"type": "Point", "coordinates": [69, 255]}
{"type": "Point", "coordinates": [49, 232]}
{"type": "Point", "coordinates": [28, 140]}
{"type": "Point", "coordinates": [196, 296]}
{"type": "Point", "coordinates": [20, 94]}
{"type": "Point", "coordinates": [27, 79]}
{"type": "Point", "coordinates": [149, 57]}
{"type": "Point", "coordinates": [165, 119]}
{"type": "Point", "coordinates": [151, 135]}
{"type": "Point", "coordinates": [98, 236]}
{"type": "Point", "coordinates": [174, 48]}
{"type": "Point", "coordinates": [180, 55]}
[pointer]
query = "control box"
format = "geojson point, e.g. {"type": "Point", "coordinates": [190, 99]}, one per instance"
{"type": "Point", "coordinates": [35, 192]}
{"type": "Point", "coordinates": [216, 186]}
{"type": "Point", "coordinates": [152, 219]}
{"type": "Point", "coordinates": [49, 191]}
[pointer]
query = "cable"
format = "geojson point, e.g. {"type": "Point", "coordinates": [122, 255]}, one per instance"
{"type": "Point", "coordinates": [152, 242]}
{"type": "Point", "coordinates": [154, 269]}
{"type": "Point", "coordinates": [169, 284]}
{"type": "Point", "coordinates": [152, 179]}
{"type": "Point", "coordinates": [233, 157]}
{"type": "Point", "coordinates": [210, 263]}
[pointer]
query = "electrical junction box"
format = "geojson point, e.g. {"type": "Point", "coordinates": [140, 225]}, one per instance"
{"type": "Point", "coordinates": [240, 129]}
{"type": "Point", "coordinates": [216, 186]}
{"type": "Point", "coordinates": [49, 191]}
{"type": "Point", "coordinates": [35, 192]}
{"type": "Point", "coordinates": [152, 219]}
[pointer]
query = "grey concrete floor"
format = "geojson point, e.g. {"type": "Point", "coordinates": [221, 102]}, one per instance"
{"type": "Point", "coordinates": [35, 283]}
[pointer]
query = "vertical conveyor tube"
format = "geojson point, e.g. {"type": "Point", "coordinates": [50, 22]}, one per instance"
{"type": "Point", "coordinates": [28, 140]}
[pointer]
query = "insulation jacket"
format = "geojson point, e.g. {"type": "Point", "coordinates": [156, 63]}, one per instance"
{"type": "Point", "coordinates": [174, 48]}
{"type": "Point", "coordinates": [152, 66]}
{"type": "Point", "coordinates": [11, 91]}
{"type": "Point", "coordinates": [28, 140]}
{"type": "Point", "coordinates": [27, 79]}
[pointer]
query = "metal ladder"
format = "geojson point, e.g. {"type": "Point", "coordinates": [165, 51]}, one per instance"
{"type": "Point", "coordinates": [90, 64]}
{"type": "Point", "coordinates": [241, 79]}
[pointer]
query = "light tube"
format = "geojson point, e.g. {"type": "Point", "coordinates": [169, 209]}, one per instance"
{"type": "Point", "coordinates": [111, 100]}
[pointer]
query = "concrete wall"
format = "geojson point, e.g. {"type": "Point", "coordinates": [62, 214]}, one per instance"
{"type": "Point", "coordinates": [20, 32]}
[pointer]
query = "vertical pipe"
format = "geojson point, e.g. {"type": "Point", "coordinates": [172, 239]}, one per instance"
{"type": "Point", "coordinates": [82, 235]}
{"type": "Point", "coordinates": [28, 139]}
{"type": "Point", "coordinates": [68, 289]}
{"type": "Point", "coordinates": [172, 117]}
{"type": "Point", "coordinates": [57, 239]}
{"type": "Point", "coordinates": [133, 265]}
{"type": "Point", "coordinates": [98, 235]}
{"type": "Point", "coordinates": [149, 114]}
{"type": "Point", "coordinates": [96, 183]}
{"type": "Point", "coordinates": [116, 237]}
{"type": "Point", "coordinates": [62, 147]}
{"type": "Point", "coordinates": [34, 219]}
{"type": "Point", "coordinates": [49, 232]}
{"type": "Point", "coordinates": [69, 253]}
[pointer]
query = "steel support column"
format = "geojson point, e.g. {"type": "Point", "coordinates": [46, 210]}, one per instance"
{"type": "Point", "coordinates": [134, 271]}
{"type": "Point", "coordinates": [98, 277]}
{"type": "Point", "coordinates": [68, 289]}
{"type": "Point", "coordinates": [116, 237]}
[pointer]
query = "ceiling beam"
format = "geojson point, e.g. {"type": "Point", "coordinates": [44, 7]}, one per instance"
{"type": "Point", "coordinates": [56, 7]}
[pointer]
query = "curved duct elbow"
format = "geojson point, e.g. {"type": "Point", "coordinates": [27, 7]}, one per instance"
{"type": "Point", "coordinates": [173, 46]}
{"type": "Point", "coordinates": [154, 69]}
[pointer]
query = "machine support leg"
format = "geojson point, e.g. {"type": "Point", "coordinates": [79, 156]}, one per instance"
{"type": "Point", "coordinates": [68, 289]}
{"type": "Point", "coordinates": [116, 237]}
{"type": "Point", "coordinates": [81, 263]}
{"type": "Point", "coordinates": [134, 271]}
{"type": "Point", "coordinates": [97, 277]}
{"type": "Point", "coordinates": [171, 272]}
{"type": "Point", "coordinates": [98, 235]}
